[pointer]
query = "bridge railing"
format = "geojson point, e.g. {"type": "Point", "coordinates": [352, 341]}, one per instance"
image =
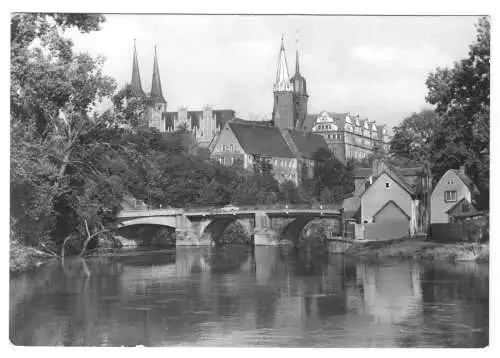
{"type": "Point", "coordinates": [227, 209]}
{"type": "Point", "coordinates": [265, 207]}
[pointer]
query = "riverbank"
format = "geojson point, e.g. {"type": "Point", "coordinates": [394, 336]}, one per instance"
{"type": "Point", "coordinates": [421, 249]}
{"type": "Point", "coordinates": [24, 258]}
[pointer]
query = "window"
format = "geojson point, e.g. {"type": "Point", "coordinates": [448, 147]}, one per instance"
{"type": "Point", "coordinates": [450, 196]}
{"type": "Point", "coordinates": [465, 208]}
{"type": "Point", "coordinates": [387, 185]}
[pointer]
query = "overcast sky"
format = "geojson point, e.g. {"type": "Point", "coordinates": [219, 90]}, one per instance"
{"type": "Point", "coordinates": [372, 66]}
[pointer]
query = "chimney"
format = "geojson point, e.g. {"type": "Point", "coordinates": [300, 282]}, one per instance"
{"type": "Point", "coordinates": [462, 169]}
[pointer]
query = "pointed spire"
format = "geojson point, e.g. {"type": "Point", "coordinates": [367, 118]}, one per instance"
{"type": "Point", "coordinates": [156, 92]}
{"type": "Point", "coordinates": [297, 57]}
{"type": "Point", "coordinates": [135, 84]}
{"type": "Point", "coordinates": [282, 76]}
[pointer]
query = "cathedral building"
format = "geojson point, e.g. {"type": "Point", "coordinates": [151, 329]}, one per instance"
{"type": "Point", "coordinates": [290, 95]}
{"type": "Point", "coordinates": [280, 142]}
{"type": "Point", "coordinates": [155, 111]}
{"type": "Point", "coordinates": [204, 124]}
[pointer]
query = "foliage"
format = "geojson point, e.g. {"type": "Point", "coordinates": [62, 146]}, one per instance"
{"type": "Point", "coordinates": [333, 179]}
{"type": "Point", "coordinates": [412, 140]}
{"type": "Point", "coordinates": [462, 98]}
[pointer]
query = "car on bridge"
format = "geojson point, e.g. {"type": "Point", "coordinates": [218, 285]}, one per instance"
{"type": "Point", "coordinates": [230, 208]}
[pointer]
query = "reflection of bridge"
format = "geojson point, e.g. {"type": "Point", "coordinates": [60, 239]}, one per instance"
{"type": "Point", "coordinates": [204, 226]}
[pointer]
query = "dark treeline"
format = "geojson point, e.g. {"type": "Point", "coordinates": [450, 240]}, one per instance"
{"type": "Point", "coordinates": [457, 131]}
{"type": "Point", "coordinates": [71, 166]}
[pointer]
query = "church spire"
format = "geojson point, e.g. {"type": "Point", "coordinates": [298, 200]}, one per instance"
{"type": "Point", "coordinates": [282, 76]}
{"type": "Point", "coordinates": [135, 84]}
{"type": "Point", "coordinates": [297, 57]}
{"type": "Point", "coordinates": [156, 92]}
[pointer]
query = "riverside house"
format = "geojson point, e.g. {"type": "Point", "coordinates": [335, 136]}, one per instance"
{"type": "Point", "coordinates": [453, 195]}
{"type": "Point", "coordinates": [387, 202]}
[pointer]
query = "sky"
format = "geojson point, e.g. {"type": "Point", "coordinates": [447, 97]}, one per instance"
{"type": "Point", "coordinates": [374, 66]}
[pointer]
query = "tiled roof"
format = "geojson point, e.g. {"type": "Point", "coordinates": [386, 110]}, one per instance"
{"type": "Point", "coordinates": [362, 172]}
{"type": "Point", "coordinates": [307, 143]}
{"type": "Point", "coordinates": [309, 122]}
{"type": "Point", "coordinates": [410, 171]}
{"type": "Point", "coordinates": [467, 181]}
{"type": "Point", "coordinates": [261, 139]}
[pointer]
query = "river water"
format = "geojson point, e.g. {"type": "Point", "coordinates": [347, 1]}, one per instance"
{"type": "Point", "coordinates": [243, 296]}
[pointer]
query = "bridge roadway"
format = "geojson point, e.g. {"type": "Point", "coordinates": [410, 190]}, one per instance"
{"type": "Point", "coordinates": [268, 225]}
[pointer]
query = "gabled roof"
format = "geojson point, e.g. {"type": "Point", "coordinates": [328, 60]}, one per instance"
{"type": "Point", "coordinates": [466, 180]}
{"type": "Point", "coordinates": [464, 200]}
{"type": "Point", "coordinates": [393, 203]}
{"type": "Point", "coordinates": [362, 172]}
{"type": "Point", "coordinates": [398, 180]}
{"type": "Point", "coordinates": [261, 139]}
{"type": "Point", "coordinates": [307, 143]}
{"type": "Point", "coordinates": [309, 122]}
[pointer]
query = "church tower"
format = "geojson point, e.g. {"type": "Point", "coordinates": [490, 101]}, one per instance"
{"type": "Point", "coordinates": [136, 84]}
{"type": "Point", "coordinates": [284, 103]}
{"type": "Point", "coordinates": [300, 94]}
{"type": "Point", "coordinates": [157, 107]}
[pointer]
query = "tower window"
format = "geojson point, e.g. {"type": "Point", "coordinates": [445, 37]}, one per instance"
{"type": "Point", "coordinates": [387, 185]}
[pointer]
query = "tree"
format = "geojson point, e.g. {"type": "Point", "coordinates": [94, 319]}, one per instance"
{"type": "Point", "coordinates": [331, 174]}
{"type": "Point", "coordinates": [462, 99]}
{"type": "Point", "coordinates": [412, 140]}
{"type": "Point", "coordinates": [52, 96]}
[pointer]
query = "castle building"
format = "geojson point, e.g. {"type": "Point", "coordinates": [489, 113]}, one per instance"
{"type": "Point", "coordinates": [348, 136]}
{"type": "Point", "coordinates": [290, 95]}
{"type": "Point", "coordinates": [204, 124]}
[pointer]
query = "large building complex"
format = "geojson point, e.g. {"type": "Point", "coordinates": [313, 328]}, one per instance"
{"type": "Point", "coordinates": [204, 124]}
{"type": "Point", "coordinates": [348, 136]}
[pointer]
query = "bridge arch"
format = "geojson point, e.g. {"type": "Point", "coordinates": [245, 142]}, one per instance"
{"type": "Point", "coordinates": [151, 220]}
{"type": "Point", "coordinates": [293, 229]}
{"type": "Point", "coordinates": [213, 230]}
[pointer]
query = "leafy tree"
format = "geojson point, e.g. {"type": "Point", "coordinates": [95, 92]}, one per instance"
{"type": "Point", "coordinates": [412, 140]}
{"type": "Point", "coordinates": [462, 98]}
{"type": "Point", "coordinates": [290, 193]}
{"type": "Point", "coordinates": [53, 92]}
{"type": "Point", "coordinates": [331, 176]}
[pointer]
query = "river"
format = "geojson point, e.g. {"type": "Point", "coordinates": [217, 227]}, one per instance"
{"type": "Point", "coordinates": [243, 296]}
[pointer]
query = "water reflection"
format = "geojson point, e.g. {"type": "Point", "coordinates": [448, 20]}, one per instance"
{"type": "Point", "coordinates": [243, 296]}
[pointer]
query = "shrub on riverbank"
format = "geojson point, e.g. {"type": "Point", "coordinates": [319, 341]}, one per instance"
{"type": "Point", "coordinates": [23, 258]}
{"type": "Point", "coordinates": [420, 249]}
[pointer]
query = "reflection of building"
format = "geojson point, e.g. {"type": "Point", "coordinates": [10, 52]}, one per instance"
{"type": "Point", "coordinates": [390, 294]}
{"type": "Point", "coordinates": [350, 137]}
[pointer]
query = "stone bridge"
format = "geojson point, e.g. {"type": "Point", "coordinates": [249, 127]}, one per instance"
{"type": "Point", "coordinates": [204, 226]}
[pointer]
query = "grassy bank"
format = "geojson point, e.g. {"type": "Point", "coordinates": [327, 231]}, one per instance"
{"type": "Point", "coordinates": [421, 249]}
{"type": "Point", "coordinates": [24, 258]}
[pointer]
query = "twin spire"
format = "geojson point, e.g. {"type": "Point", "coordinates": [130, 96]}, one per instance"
{"type": "Point", "coordinates": [156, 92]}
{"type": "Point", "coordinates": [283, 81]}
